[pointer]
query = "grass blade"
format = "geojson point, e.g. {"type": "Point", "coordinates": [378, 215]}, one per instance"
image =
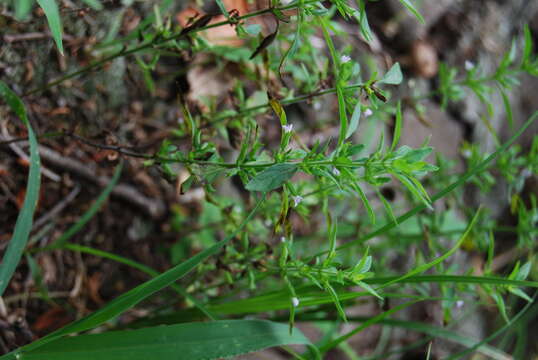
{"type": "Point", "coordinates": [55, 24]}
{"type": "Point", "coordinates": [23, 225]}
{"type": "Point", "coordinates": [211, 340]}
{"type": "Point", "coordinates": [136, 295]}
{"type": "Point", "coordinates": [461, 279]}
{"type": "Point", "coordinates": [140, 267]}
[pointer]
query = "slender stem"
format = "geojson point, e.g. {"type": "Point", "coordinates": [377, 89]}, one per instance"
{"type": "Point", "coordinates": [156, 41]}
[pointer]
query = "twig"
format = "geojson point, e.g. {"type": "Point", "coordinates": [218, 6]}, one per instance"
{"type": "Point", "coordinates": [153, 207]}
{"type": "Point", "coordinates": [56, 209]}
{"type": "Point", "coordinates": [34, 36]}
{"type": "Point", "coordinates": [17, 150]}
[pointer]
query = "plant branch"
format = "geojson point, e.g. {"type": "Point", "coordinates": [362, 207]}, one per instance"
{"type": "Point", "coordinates": [156, 41]}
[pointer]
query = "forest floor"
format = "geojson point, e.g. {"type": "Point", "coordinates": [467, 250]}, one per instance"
{"type": "Point", "coordinates": [83, 122]}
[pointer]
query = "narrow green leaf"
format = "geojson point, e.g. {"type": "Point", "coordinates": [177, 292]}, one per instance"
{"type": "Point", "coordinates": [386, 205]}
{"type": "Point", "coordinates": [460, 279]}
{"type": "Point", "coordinates": [141, 267]}
{"type": "Point", "coordinates": [325, 26]}
{"type": "Point", "coordinates": [136, 295]}
{"type": "Point", "coordinates": [295, 42]}
{"type": "Point", "coordinates": [272, 178]}
{"type": "Point", "coordinates": [409, 5]}
{"type": "Point", "coordinates": [397, 127]}
{"type": "Point", "coordinates": [507, 107]}
{"type": "Point", "coordinates": [527, 49]}
{"type": "Point", "coordinates": [355, 118]}
{"type": "Point", "coordinates": [23, 226]}
{"type": "Point", "coordinates": [193, 341]}
{"type": "Point", "coordinates": [90, 213]}
{"type": "Point", "coordinates": [393, 76]}
{"type": "Point", "coordinates": [55, 24]}
{"type": "Point", "coordinates": [366, 203]}
{"type": "Point", "coordinates": [223, 9]}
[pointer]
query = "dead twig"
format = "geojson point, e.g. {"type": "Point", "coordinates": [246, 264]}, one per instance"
{"type": "Point", "coordinates": [17, 150]}
{"type": "Point", "coordinates": [153, 207]}
{"type": "Point", "coordinates": [34, 36]}
{"type": "Point", "coordinates": [56, 209]}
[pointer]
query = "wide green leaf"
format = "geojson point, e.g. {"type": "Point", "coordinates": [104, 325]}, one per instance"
{"type": "Point", "coordinates": [272, 178]}
{"type": "Point", "coordinates": [23, 226]}
{"type": "Point", "coordinates": [199, 340]}
{"type": "Point", "coordinates": [50, 7]}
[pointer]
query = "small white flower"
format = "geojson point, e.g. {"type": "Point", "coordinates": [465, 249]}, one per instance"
{"type": "Point", "coordinates": [469, 65]}
{"type": "Point", "coordinates": [344, 59]}
{"type": "Point", "coordinates": [282, 239]}
{"type": "Point", "coordinates": [295, 301]}
{"type": "Point", "coordinates": [285, 2]}
{"type": "Point", "coordinates": [459, 304]}
{"type": "Point", "coordinates": [336, 172]}
{"type": "Point", "coordinates": [367, 113]}
{"type": "Point", "coordinates": [287, 128]}
{"type": "Point", "coordinates": [466, 153]}
{"type": "Point", "coordinates": [317, 105]}
{"type": "Point", "coordinates": [297, 200]}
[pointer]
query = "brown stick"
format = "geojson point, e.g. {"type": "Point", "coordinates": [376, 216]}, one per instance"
{"type": "Point", "coordinates": [153, 207]}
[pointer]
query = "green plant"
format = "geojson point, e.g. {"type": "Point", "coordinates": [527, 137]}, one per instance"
{"type": "Point", "coordinates": [262, 256]}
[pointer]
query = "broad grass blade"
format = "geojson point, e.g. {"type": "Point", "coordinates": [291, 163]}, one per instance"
{"type": "Point", "coordinates": [193, 341]}
{"type": "Point", "coordinates": [136, 295]}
